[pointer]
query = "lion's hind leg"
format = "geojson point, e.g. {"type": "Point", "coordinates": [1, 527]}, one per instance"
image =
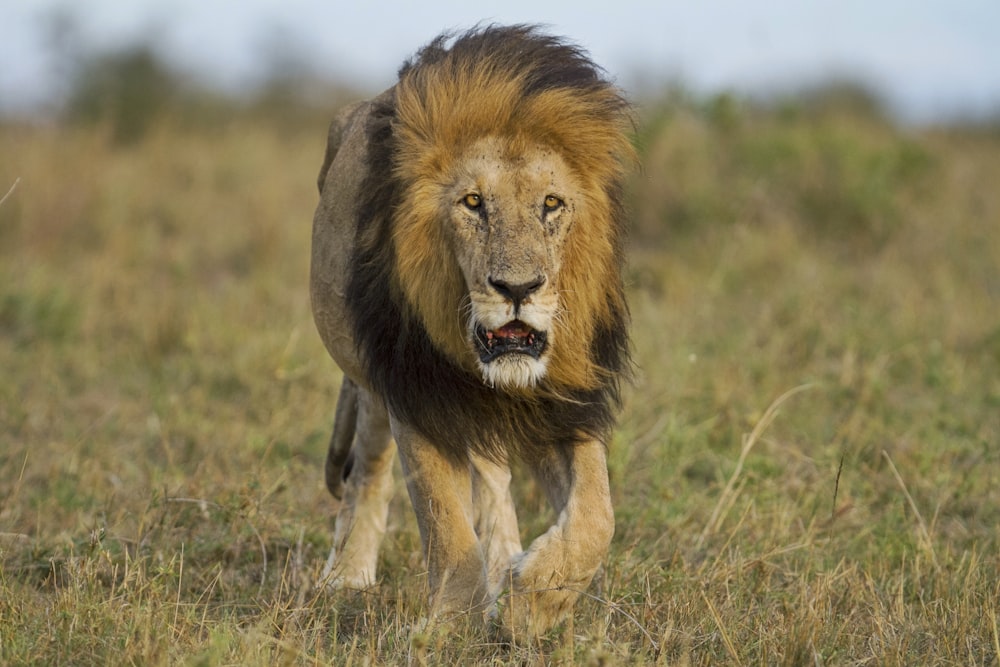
{"type": "Point", "coordinates": [359, 466]}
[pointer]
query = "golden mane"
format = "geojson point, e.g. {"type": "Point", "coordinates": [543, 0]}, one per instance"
{"type": "Point", "coordinates": [527, 89]}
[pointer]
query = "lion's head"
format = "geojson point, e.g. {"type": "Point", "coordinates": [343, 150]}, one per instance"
{"type": "Point", "coordinates": [507, 234]}
{"type": "Point", "coordinates": [493, 244]}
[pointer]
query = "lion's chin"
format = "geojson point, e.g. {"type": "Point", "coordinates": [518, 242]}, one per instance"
{"type": "Point", "coordinates": [512, 356]}
{"type": "Point", "coordinates": [514, 371]}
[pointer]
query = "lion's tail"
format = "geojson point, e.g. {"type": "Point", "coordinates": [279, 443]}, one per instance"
{"type": "Point", "coordinates": [338, 455]}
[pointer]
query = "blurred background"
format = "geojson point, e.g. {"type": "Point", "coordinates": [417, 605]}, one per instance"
{"type": "Point", "coordinates": [816, 207]}
{"type": "Point", "coordinates": [930, 61]}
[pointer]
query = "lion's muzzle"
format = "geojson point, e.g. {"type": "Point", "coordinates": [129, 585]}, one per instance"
{"type": "Point", "coordinates": [516, 293]}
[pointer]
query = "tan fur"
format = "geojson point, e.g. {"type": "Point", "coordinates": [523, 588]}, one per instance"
{"type": "Point", "coordinates": [434, 133]}
{"type": "Point", "coordinates": [461, 126]}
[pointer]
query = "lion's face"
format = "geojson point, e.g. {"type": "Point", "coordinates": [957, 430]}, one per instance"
{"type": "Point", "coordinates": [506, 233]}
{"type": "Point", "coordinates": [509, 208]}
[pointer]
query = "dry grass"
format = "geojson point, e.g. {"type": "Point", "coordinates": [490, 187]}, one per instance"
{"type": "Point", "coordinates": [808, 471]}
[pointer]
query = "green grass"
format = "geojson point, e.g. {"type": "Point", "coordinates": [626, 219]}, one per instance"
{"type": "Point", "coordinates": [807, 470]}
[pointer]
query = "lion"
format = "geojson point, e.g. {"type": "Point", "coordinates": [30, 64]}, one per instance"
{"type": "Point", "coordinates": [466, 277]}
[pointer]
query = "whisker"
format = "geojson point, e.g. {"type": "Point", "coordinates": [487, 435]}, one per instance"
{"type": "Point", "coordinates": [465, 311]}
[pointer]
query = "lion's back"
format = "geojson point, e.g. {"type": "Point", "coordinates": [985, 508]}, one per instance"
{"type": "Point", "coordinates": [344, 169]}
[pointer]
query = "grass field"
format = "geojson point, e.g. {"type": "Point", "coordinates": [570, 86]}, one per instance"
{"type": "Point", "coordinates": [807, 470]}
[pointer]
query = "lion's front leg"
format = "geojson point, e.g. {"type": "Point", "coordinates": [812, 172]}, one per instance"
{"type": "Point", "coordinates": [496, 518]}
{"type": "Point", "coordinates": [546, 580]}
{"type": "Point", "coordinates": [441, 492]}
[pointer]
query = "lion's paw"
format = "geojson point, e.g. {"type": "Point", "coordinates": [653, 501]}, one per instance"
{"type": "Point", "coordinates": [537, 598]}
{"type": "Point", "coordinates": [339, 576]}
{"type": "Point", "coordinates": [531, 614]}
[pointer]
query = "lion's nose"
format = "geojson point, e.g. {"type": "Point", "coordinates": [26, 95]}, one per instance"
{"type": "Point", "coordinates": [517, 293]}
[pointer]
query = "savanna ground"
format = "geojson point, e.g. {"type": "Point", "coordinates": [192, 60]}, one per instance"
{"type": "Point", "coordinates": [807, 470]}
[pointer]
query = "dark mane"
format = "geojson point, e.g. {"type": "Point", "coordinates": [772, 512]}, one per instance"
{"type": "Point", "coordinates": [550, 62]}
{"type": "Point", "coordinates": [450, 406]}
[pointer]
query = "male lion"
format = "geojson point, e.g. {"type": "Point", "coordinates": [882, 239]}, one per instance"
{"type": "Point", "coordinates": [466, 276]}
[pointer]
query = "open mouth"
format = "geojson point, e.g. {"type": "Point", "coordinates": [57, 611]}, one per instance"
{"type": "Point", "coordinates": [515, 337]}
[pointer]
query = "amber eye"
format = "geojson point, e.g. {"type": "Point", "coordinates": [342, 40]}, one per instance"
{"type": "Point", "coordinates": [552, 203]}
{"type": "Point", "coordinates": [472, 200]}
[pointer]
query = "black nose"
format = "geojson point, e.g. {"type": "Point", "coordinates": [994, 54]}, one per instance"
{"type": "Point", "coordinates": [517, 293]}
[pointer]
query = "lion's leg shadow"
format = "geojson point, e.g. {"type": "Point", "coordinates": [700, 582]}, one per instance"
{"type": "Point", "coordinates": [545, 581]}
{"type": "Point", "coordinates": [367, 490]}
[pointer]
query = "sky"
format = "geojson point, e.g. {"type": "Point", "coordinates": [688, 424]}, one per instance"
{"type": "Point", "coordinates": [928, 59]}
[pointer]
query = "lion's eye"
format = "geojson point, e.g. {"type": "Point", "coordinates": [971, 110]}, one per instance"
{"type": "Point", "coordinates": [552, 203]}
{"type": "Point", "coordinates": [472, 201]}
